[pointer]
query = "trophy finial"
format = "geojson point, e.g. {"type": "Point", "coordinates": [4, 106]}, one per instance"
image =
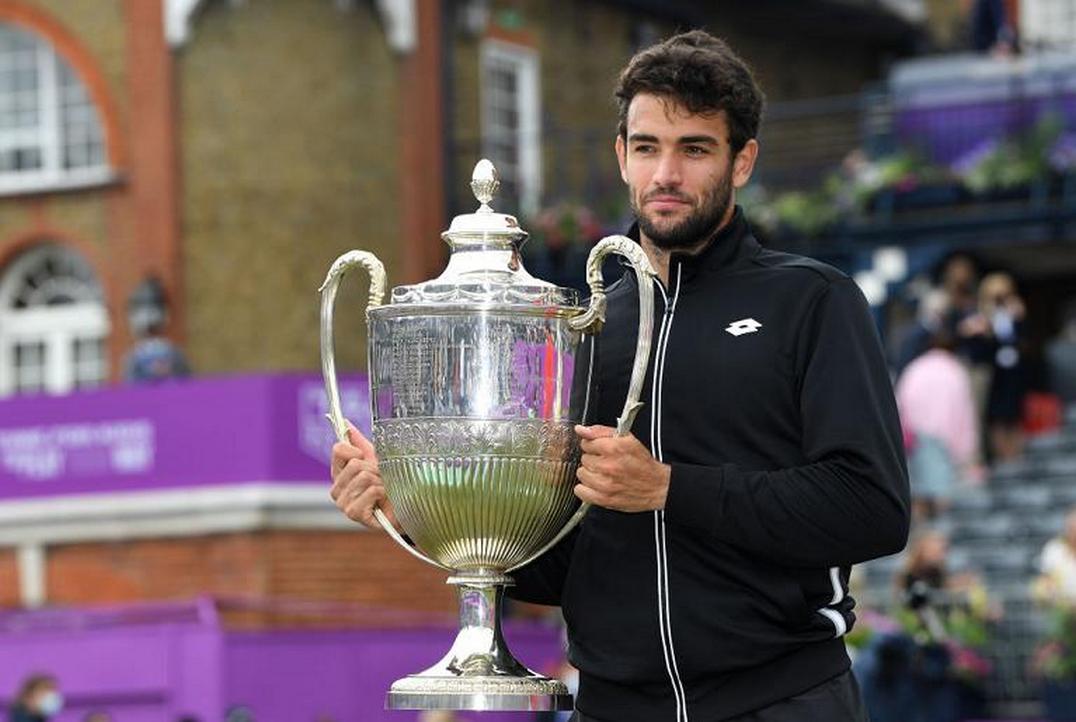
{"type": "Point", "coordinates": [484, 182]}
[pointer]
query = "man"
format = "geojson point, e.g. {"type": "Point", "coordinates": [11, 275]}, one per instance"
{"type": "Point", "coordinates": [710, 580]}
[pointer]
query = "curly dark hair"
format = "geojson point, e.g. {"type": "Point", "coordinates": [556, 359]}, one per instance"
{"type": "Point", "coordinates": [701, 73]}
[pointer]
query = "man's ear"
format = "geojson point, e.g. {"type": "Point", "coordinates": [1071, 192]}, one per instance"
{"type": "Point", "coordinates": [621, 157]}
{"type": "Point", "coordinates": [744, 163]}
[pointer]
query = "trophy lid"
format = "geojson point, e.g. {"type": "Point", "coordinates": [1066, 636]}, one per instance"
{"type": "Point", "coordinates": [485, 267]}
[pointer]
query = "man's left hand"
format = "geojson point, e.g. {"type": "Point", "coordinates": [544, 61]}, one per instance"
{"type": "Point", "coordinates": [617, 472]}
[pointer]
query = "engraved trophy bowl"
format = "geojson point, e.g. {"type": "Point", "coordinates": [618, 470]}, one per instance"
{"type": "Point", "coordinates": [477, 379]}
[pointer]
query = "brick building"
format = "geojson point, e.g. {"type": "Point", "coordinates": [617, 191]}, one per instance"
{"type": "Point", "coordinates": [231, 150]}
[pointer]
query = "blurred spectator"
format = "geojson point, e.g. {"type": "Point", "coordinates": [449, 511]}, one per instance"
{"type": "Point", "coordinates": [941, 427]}
{"type": "Point", "coordinates": [37, 700]}
{"type": "Point", "coordinates": [1056, 583]}
{"type": "Point", "coordinates": [991, 29]}
{"type": "Point", "coordinates": [1004, 311]}
{"type": "Point", "coordinates": [912, 339]}
{"type": "Point", "coordinates": [925, 561]}
{"type": "Point", "coordinates": [154, 357]}
{"type": "Point", "coordinates": [926, 569]}
{"type": "Point", "coordinates": [960, 282]}
{"type": "Point", "coordinates": [927, 669]}
{"type": "Point", "coordinates": [959, 279]}
{"type": "Point", "coordinates": [1061, 357]}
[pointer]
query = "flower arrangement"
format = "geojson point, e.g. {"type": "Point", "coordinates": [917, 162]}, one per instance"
{"type": "Point", "coordinates": [848, 191]}
{"type": "Point", "coordinates": [562, 236]}
{"type": "Point", "coordinates": [1055, 658]}
{"type": "Point", "coordinates": [862, 181]}
{"type": "Point", "coordinates": [566, 224]}
{"type": "Point", "coordinates": [962, 651]}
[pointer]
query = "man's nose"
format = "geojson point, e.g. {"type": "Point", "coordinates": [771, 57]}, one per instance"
{"type": "Point", "coordinates": [667, 173]}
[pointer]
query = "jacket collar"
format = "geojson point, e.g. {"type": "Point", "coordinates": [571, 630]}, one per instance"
{"type": "Point", "coordinates": [731, 245]}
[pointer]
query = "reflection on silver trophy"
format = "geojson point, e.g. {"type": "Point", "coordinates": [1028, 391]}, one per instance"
{"type": "Point", "coordinates": [477, 379]}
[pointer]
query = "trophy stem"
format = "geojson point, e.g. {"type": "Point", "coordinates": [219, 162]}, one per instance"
{"type": "Point", "coordinates": [479, 672]}
{"type": "Point", "coordinates": [480, 648]}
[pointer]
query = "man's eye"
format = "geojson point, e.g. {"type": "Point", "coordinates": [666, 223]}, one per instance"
{"type": "Point", "coordinates": [696, 150]}
{"type": "Point", "coordinates": [644, 149]}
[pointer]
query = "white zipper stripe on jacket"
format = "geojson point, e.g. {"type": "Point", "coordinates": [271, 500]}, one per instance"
{"type": "Point", "coordinates": [840, 626]}
{"type": "Point", "coordinates": [657, 523]}
{"type": "Point", "coordinates": [838, 588]}
{"type": "Point", "coordinates": [668, 620]}
{"type": "Point", "coordinates": [665, 622]}
{"type": "Point", "coordinates": [664, 542]}
{"type": "Point", "coordinates": [658, 549]}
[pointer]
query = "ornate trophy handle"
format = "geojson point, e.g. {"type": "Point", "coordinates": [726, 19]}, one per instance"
{"type": "Point", "coordinates": [591, 322]}
{"type": "Point", "coordinates": [376, 271]}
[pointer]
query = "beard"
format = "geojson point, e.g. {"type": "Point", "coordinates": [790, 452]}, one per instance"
{"type": "Point", "coordinates": [697, 226]}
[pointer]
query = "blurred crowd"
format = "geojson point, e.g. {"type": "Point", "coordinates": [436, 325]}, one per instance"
{"type": "Point", "coordinates": [961, 381]}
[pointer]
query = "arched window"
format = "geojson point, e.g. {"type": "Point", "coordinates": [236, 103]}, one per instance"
{"type": "Point", "coordinates": [53, 323]}
{"type": "Point", "coordinates": [50, 130]}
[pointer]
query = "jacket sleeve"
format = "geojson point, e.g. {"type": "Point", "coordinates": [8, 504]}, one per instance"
{"type": "Point", "coordinates": [542, 581]}
{"type": "Point", "coordinates": [849, 501]}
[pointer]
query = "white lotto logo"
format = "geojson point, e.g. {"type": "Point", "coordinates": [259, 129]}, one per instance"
{"type": "Point", "coordinates": [745, 325]}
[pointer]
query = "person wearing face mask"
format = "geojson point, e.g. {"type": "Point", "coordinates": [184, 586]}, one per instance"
{"type": "Point", "coordinates": [38, 699]}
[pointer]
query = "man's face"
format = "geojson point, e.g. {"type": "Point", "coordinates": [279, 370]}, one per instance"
{"type": "Point", "coordinates": [680, 170]}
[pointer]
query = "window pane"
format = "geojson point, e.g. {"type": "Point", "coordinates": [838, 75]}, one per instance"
{"type": "Point", "coordinates": [75, 141]}
{"type": "Point", "coordinates": [27, 158]}
{"type": "Point", "coordinates": [83, 142]}
{"type": "Point", "coordinates": [28, 366]}
{"type": "Point", "coordinates": [20, 90]}
{"type": "Point", "coordinates": [90, 367]}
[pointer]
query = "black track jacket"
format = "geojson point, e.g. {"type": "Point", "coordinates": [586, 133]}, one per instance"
{"type": "Point", "coordinates": [768, 395]}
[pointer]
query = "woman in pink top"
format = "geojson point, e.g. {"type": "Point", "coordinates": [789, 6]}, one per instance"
{"type": "Point", "coordinates": [937, 411]}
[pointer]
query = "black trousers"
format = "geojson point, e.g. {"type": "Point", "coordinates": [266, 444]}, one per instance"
{"type": "Point", "coordinates": [837, 700]}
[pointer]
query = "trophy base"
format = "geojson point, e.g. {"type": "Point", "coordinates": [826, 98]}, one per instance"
{"type": "Point", "coordinates": [481, 693]}
{"type": "Point", "coordinates": [479, 672]}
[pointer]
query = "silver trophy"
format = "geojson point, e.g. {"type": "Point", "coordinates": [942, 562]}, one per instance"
{"type": "Point", "coordinates": [477, 379]}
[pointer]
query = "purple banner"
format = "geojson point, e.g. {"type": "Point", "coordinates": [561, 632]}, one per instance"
{"type": "Point", "coordinates": [244, 429]}
{"type": "Point", "coordinates": [153, 663]}
{"type": "Point", "coordinates": [283, 677]}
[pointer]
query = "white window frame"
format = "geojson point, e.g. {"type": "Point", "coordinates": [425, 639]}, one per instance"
{"type": "Point", "coordinates": [52, 175]}
{"type": "Point", "coordinates": [58, 327]}
{"type": "Point", "coordinates": [525, 64]}
{"type": "Point", "coordinates": [1049, 24]}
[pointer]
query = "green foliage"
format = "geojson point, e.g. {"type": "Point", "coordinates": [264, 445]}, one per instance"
{"type": "Point", "coordinates": [1055, 658]}
{"type": "Point", "coordinates": [1015, 162]}
{"type": "Point", "coordinates": [850, 191]}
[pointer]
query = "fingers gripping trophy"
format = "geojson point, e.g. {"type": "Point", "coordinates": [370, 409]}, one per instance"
{"type": "Point", "coordinates": [477, 379]}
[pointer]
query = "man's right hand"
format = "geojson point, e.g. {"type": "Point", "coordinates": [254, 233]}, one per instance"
{"type": "Point", "coordinates": [357, 486]}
